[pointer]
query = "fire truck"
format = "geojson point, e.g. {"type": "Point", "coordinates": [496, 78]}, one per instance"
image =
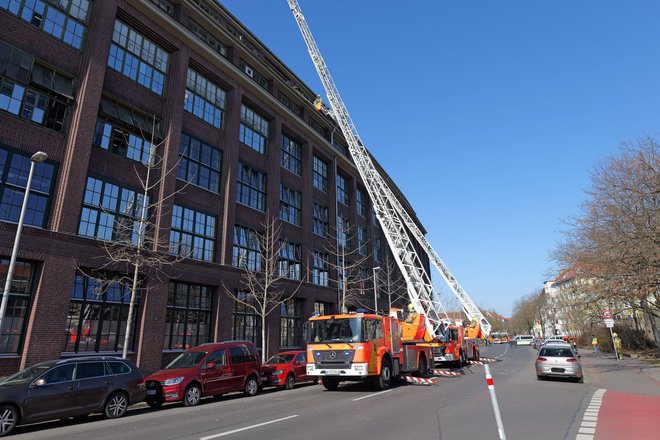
{"type": "Point", "coordinates": [387, 353]}
{"type": "Point", "coordinates": [362, 346]}
{"type": "Point", "coordinates": [457, 346]}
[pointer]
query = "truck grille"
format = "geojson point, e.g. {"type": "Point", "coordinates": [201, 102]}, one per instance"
{"type": "Point", "coordinates": [334, 359]}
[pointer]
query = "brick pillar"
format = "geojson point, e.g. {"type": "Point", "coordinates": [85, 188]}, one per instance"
{"type": "Point", "coordinates": [73, 168]}
{"type": "Point", "coordinates": [45, 334]}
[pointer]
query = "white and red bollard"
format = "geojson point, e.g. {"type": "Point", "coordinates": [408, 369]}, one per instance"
{"type": "Point", "coordinates": [493, 398]}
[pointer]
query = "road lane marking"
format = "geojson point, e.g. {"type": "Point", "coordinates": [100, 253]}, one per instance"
{"type": "Point", "coordinates": [222, 434]}
{"type": "Point", "coordinates": [587, 428]}
{"type": "Point", "coordinates": [371, 395]}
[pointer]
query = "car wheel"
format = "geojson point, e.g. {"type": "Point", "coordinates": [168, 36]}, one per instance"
{"type": "Point", "coordinates": [331, 383]}
{"type": "Point", "coordinates": [155, 403]}
{"type": "Point", "coordinates": [384, 379]}
{"type": "Point", "coordinates": [192, 395]}
{"type": "Point", "coordinates": [251, 387]}
{"type": "Point", "coordinates": [580, 380]}
{"type": "Point", "coordinates": [116, 405]}
{"type": "Point", "coordinates": [539, 377]}
{"type": "Point", "coordinates": [8, 419]}
{"type": "Point", "coordinates": [290, 382]}
{"type": "Point", "coordinates": [316, 381]}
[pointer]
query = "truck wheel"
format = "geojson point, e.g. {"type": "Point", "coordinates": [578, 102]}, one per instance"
{"type": "Point", "coordinates": [384, 379]}
{"type": "Point", "coordinates": [331, 383]}
{"type": "Point", "coordinates": [423, 367]}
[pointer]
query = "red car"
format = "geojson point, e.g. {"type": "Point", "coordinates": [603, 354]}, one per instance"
{"type": "Point", "coordinates": [286, 369]}
{"type": "Point", "coordinates": [207, 370]}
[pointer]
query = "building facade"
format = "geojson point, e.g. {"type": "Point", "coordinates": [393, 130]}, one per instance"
{"type": "Point", "coordinates": [114, 89]}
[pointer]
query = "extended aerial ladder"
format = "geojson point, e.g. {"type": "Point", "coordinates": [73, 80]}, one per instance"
{"type": "Point", "coordinates": [394, 220]}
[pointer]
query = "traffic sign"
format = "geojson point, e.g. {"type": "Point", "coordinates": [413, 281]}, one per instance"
{"type": "Point", "coordinates": [607, 314]}
{"type": "Point", "coordinates": [609, 323]}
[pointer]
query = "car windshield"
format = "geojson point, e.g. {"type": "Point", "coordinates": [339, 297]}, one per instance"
{"type": "Point", "coordinates": [187, 360]}
{"type": "Point", "coordinates": [280, 359]}
{"type": "Point", "coordinates": [556, 352]}
{"type": "Point", "coordinates": [26, 374]}
{"type": "Point", "coordinates": [335, 330]}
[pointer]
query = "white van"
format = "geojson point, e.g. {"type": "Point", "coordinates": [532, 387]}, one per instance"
{"type": "Point", "coordinates": [524, 339]}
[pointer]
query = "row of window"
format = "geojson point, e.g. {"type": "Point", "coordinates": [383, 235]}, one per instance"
{"type": "Point", "coordinates": [98, 313]}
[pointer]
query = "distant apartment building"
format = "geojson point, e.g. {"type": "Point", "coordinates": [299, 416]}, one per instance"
{"type": "Point", "coordinates": [98, 86]}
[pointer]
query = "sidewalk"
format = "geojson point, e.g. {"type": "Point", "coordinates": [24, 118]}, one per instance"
{"type": "Point", "coordinates": [625, 402]}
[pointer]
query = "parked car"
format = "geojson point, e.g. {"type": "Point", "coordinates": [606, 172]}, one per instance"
{"type": "Point", "coordinates": [286, 369]}
{"type": "Point", "coordinates": [69, 388]}
{"type": "Point", "coordinates": [524, 339]}
{"type": "Point", "coordinates": [559, 360]}
{"type": "Point", "coordinates": [210, 369]}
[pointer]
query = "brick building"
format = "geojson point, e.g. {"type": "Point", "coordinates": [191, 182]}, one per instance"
{"type": "Point", "coordinates": [99, 86]}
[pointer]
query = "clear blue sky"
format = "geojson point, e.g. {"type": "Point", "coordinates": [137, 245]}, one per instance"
{"type": "Point", "coordinates": [489, 115]}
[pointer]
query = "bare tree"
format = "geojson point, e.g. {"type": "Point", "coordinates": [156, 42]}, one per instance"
{"type": "Point", "coordinates": [615, 240]}
{"type": "Point", "coordinates": [391, 283]}
{"type": "Point", "coordinates": [267, 276]}
{"type": "Point", "coordinates": [132, 242]}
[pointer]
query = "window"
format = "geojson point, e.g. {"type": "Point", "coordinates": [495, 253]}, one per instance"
{"type": "Point", "coordinates": [289, 261]}
{"type": "Point", "coordinates": [291, 155]}
{"type": "Point", "coordinates": [320, 268]}
{"type": "Point", "coordinates": [63, 19]}
{"type": "Point", "coordinates": [33, 91]}
{"type": "Point", "coordinates": [321, 308]}
{"type": "Point", "coordinates": [251, 189]}
{"type": "Point", "coordinates": [209, 39]}
{"type": "Point", "coordinates": [98, 312]}
{"type": "Point", "coordinates": [128, 143]}
{"type": "Point", "coordinates": [192, 234]}
{"type": "Point", "coordinates": [14, 170]}
{"type": "Point", "coordinates": [204, 99]}
{"type": "Point", "coordinates": [165, 5]}
{"type": "Point", "coordinates": [138, 58]}
{"type": "Point", "coordinates": [18, 304]}
{"type": "Point", "coordinates": [254, 129]}
{"type": "Point", "coordinates": [199, 163]}
{"type": "Point", "coordinates": [246, 252]}
{"type": "Point", "coordinates": [290, 205]}
{"type": "Point", "coordinates": [340, 147]}
{"type": "Point", "coordinates": [378, 251]}
{"type": "Point", "coordinates": [321, 224]}
{"type": "Point", "coordinates": [361, 202]}
{"type": "Point", "coordinates": [342, 190]}
{"type": "Point", "coordinates": [290, 323]}
{"type": "Point", "coordinates": [289, 103]}
{"type": "Point", "coordinates": [188, 320]}
{"type": "Point", "coordinates": [362, 240]}
{"type": "Point", "coordinates": [252, 73]}
{"type": "Point", "coordinates": [59, 374]}
{"type": "Point", "coordinates": [110, 212]}
{"type": "Point", "coordinates": [343, 231]}
{"type": "Point", "coordinates": [246, 324]}
{"type": "Point", "coordinates": [320, 174]}
{"type": "Point", "coordinates": [86, 370]}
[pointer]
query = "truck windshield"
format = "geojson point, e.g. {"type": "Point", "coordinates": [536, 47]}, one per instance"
{"type": "Point", "coordinates": [335, 330]}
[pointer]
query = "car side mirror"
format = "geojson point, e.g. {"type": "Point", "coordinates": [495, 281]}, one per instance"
{"type": "Point", "coordinates": [38, 383]}
{"type": "Point", "coordinates": [298, 363]}
{"type": "Point", "coordinates": [211, 365]}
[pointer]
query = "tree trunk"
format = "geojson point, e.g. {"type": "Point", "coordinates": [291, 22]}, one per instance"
{"type": "Point", "coordinates": [654, 323]}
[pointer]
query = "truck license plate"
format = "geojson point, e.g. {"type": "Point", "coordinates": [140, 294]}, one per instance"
{"type": "Point", "coordinates": [332, 372]}
{"type": "Point", "coordinates": [151, 392]}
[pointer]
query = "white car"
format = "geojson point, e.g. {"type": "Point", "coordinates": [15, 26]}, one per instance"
{"type": "Point", "coordinates": [524, 339]}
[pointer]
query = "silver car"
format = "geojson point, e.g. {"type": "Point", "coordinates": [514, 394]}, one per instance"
{"type": "Point", "coordinates": [559, 360]}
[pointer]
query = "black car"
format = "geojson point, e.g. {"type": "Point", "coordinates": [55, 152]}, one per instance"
{"type": "Point", "coordinates": [69, 388]}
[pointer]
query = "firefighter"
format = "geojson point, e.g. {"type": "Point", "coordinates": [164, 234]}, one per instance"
{"type": "Point", "coordinates": [617, 345]}
{"type": "Point", "coordinates": [594, 343]}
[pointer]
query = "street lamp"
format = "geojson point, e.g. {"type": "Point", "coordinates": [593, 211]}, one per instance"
{"type": "Point", "coordinates": [375, 294]}
{"type": "Point", "coordinates": [37, 157]}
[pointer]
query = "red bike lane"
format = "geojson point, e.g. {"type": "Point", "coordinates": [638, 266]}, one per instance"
{"type": "Point", "coordinates": [624, 415]}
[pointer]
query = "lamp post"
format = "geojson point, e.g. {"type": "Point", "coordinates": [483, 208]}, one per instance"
{"type": "Point", "coordinates": [375, 291]}
{"type": "Point", "coordinates": [37, 157]}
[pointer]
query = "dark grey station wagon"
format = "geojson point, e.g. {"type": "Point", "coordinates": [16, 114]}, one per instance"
{"type": "Point", "coordinates": [69, 388]}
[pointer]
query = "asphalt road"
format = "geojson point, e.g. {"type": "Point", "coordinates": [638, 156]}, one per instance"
{"type": "Point", "coordinates": [455, 409]}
